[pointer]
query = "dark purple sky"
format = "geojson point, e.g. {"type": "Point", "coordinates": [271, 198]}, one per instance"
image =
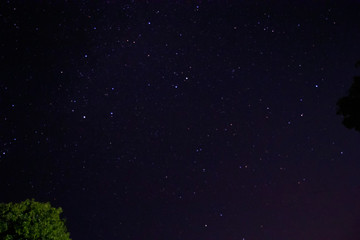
{"type": "Point", "coordinates": [187, 121]}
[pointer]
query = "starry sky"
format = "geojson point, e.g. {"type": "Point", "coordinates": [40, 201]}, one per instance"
{"type": "Point", "coordinates": [183, 120]}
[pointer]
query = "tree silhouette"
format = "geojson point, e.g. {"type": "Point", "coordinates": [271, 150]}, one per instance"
{"type": "Point", "coordinates": [31, 220]}
{"type": "Point", "coordinates": [349, 106]}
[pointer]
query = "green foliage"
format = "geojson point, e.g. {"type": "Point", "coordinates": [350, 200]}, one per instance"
{"type": "Point", "coordinates": [31, 220]}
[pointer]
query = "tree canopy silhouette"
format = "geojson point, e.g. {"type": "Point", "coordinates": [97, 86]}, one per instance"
{"type": "Point", "coordinates": [31, 220]}
{"type": "Point", "coordinates": [349, 106]}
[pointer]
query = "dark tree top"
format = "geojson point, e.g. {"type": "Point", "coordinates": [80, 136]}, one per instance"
{"type": "Point", "coordinates": [349, 106]}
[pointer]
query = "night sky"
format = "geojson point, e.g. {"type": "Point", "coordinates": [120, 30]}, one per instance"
{"type": "Point", "coordinates": [182, 120]}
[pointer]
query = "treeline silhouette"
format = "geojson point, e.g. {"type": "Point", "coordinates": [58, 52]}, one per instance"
{"type": "Point", "coordinates": [349, 106]}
